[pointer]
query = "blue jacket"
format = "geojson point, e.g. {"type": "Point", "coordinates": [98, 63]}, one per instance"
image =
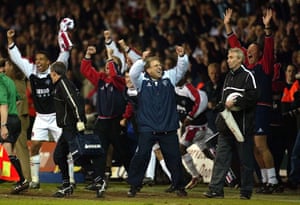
{"type": "Point", "coordinates": [156, 110]}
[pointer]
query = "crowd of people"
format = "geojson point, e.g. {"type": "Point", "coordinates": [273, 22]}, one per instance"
{"type": "Point", "coordinates": [198, 45]}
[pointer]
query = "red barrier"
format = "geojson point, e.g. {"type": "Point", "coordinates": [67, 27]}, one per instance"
{"type": "Point", "coordinates": [46, 154]}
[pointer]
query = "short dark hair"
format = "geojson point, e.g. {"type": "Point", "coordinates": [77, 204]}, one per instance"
{"type": "Point", "coordinates": [43, 52]}
{"type": "Point", "coordinates": [58, 67]}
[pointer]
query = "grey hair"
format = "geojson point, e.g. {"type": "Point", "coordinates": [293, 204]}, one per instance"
{"type": "Point", "coordinates": [58, 67]}
{"type": "Point", "coordinates": [239, 53]}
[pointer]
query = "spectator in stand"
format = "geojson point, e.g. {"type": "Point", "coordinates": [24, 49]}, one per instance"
{"type": "Point", "coordinates": [275, 140]}
{"type": "Point", "coordinates": [261, 63]}
{"type": "Point", "coordinates": [289, 112]}
{"type": "Point", "coordinates": [157, 85]}
{"type": "Point", "coordinates": [294, 95]}
{"type": "Point", "coordinates": [285, 51]}
{"type": "Point", "coordinates": [213, 89]}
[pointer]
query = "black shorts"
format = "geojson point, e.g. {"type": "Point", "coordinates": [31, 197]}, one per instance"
{"type": "Point", "coordinates": [14, 129]}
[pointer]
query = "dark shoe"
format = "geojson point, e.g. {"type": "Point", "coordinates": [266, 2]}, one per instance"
{"type": "Point", "coordinates": [171, 189]}
{"type": "Point", "coordinates": [100, 188]}
{"type": "Point", "coordinates": [34, 185]}
{"type": "Point", "coordinates": [271, 188]}
{"type": "Point", "coordinates": [132, 191]}
{"type": "Point", "coordinates": [262, 188]}
{"type": "Point", "coordinates": [20, 186]}
{"type": "Point", "coordinates": [280, 188]}
{"type": "Point", "coordinates": [245, 197]}
{"type": "Point", "coordinates": [148, 181]}
{"type": "Point", "coordinates": [291, 185]}
{"type": "Point", "coordinates": [64, 191]}
{"type": "Point", "coordinates": [92, 186]}
{"type": "Point", "coordinates": [181, 192]}
{"type": "Point", "coordinates": [212, 194]}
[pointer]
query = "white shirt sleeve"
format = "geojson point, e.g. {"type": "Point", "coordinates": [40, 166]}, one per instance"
{"type": "Point", "coordinates": [177, 73]}
{"type": "Point", "coordinates": [23, 64]}
{"type": "Point", "coordinates": [136, 74]}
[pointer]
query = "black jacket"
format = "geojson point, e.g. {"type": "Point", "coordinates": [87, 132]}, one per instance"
{"type": "Point", "coordinates": [241, 81]}
{"type": "Point", "coordinates": [69, 104]}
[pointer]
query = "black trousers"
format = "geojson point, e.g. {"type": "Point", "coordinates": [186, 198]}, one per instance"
{"type": "Point", "coordinates": [109, 132]}
{"type": "Point", "coordinates": [223, 162]}
{"type": "Point", "coordinates": [61, 156]}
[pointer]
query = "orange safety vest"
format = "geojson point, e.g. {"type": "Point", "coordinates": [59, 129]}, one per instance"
{"type": "Point", "coordinates": [7, 170]}
{"type": "Point", "coordinates": [288, 94]}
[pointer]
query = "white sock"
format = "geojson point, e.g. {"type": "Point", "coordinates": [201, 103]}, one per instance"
{"type": "Point", "coordinates": [272, 176]}
{"type": "Point", "coordinates": [150, 172]}
{"type": "Point", "coordinates": [264, 175]}
{"type": "Point", "coordinates": [165, 168]}
{"type": "Point", "coordinates": [71, 168]}
{"type": "Point", "coordinates": [189, 165]}
{"type": "Point", "coordinates": [35, 168]}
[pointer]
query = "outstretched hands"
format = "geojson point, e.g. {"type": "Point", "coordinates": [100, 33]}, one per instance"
{"type": "Point", "coordinates": [227, 16]}
{"type": "Point", "coordinates": [179, 50]}
{"type": "Point", "coordinates": [227, 19]}
{"type": "Point", "coordinates": [267, 17]}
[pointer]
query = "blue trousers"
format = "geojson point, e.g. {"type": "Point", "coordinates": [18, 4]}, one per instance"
{"type": "Point", "coordinates": [169, 145]}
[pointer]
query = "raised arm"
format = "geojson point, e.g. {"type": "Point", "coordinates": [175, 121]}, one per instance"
{"type": "Point", "coordinates": [177, 73]}
{"type": "Point", "coordinates": [268, 55]}
{"type": "Point", "coordinates": [64, 42]}
{"type": "Point", "coordinates": [110, 43]}
{"type": "Point", "coordinates": [227, 19]}
{"type": "Point", "coordinates": [136, 71]}
{"type": "Point", "coordinates": [86, 67]}
{"type": "Point", "coordinates": [23, 64]}
{"type": "Point", "coordinates": [131, 53]}
{"type": "Point", "coordinates": [267, 21]}
{"type": "Point", "coordinates": [232, 38]}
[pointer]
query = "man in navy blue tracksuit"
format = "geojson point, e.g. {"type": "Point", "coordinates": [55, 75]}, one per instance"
{"type": "Point", "coordinates": [157, 118]}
